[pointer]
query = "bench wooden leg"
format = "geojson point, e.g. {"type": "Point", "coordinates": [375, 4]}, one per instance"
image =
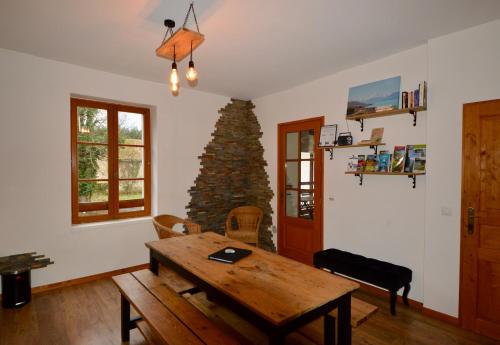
{"type": "Point", "coordinates": [329, 330]}
{"type": "Point", "coordinates": [125, 318]}
{"type": "Point", "coordinates": [405, 294]}
{"type": "Point", "coordinates": [394, 298]}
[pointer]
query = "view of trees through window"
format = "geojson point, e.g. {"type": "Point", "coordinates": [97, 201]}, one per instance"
{"type": "Point", "coordinates": [93, 155]}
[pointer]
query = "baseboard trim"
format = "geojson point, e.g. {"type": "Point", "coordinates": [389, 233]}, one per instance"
{"type": "Point", "coordinates": [384, 293]}
{"type": "Point", "coordinates": [452, 320]}
{"type": "Point", "coordinates": [87, 279]}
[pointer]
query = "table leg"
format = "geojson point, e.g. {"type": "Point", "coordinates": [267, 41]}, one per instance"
{"type": "Point", "coordinates": [329, 330]}
{"type": "Point", "coordinates": [125, 319]}
{"type": "Point", "coordinates": [153, 263]}
{"type": "Point", "coordinates": [344, 320]}
{"type": "Point", "coordinates": [276, 339]}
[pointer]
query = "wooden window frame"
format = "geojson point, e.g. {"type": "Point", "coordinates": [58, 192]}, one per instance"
{"type": "Point", "coordinates": [113, 204]}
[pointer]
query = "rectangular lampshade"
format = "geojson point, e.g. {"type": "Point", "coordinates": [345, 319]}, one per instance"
{"type": "Point", "coordinates": [182, 40]}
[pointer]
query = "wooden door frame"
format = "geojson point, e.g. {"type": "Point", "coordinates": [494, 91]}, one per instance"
{"type": "Point", "coordinates": [280, 178]}
{"type": "Point", "coordinates": [464, 319]}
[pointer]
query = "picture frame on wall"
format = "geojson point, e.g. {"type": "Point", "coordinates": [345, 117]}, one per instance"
{"type": "Point", "coordinates": [328, 136]}
{"type": "Point", "coordinates": [373, 97]}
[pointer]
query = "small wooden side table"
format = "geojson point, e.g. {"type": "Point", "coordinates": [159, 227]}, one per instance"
{"type": "Point", "coordinates": [16, 277]}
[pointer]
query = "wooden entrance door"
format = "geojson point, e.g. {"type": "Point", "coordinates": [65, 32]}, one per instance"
{"type": "Point", "coordinates": [300, 189]}
{"type": "Point", "coordinates": [480, 233]}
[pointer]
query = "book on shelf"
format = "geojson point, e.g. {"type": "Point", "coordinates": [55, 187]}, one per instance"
{"type": "Point", "coordinates": [412, 152]}
{"type": "Point", "coordinates": [398, 159]}
{"type": "Point", "coordinates": [352, 164]}
{"type": "Point", "coordinates": [415, 98]}
{"type": "Point", "coordinates": [419, 165]}
{"type": "Point", "coordinates": [384, 162]}
{"type": "Point", "coordinates": [361, 163]}
{"type": "Point", "coordinates": [371, 163]}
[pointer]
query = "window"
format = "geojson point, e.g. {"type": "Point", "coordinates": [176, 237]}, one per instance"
{"type": "Point", "coordinates": [110, 161]}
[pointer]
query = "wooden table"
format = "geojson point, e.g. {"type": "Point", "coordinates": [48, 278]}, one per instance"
{"type": "Point", "coordinates": [278, 295]}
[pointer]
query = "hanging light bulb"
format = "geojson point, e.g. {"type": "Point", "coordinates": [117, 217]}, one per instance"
{"type": "Point", "coordinates": [175, 89]}
{"type": "Point", "coordinates": [191, 73]}
{"type": "Point", "coordinates": [174, 76]}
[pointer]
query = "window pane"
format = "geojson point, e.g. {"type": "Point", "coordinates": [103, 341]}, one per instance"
{"type": "Point", "coordinates": [292, 201]}
{"type": "Point", "coordinates": [89, 192]}
{"type": "Point", "coordinates": [92, 125]}
{"type": "Point", "coordinates": [131, 128]}
{"type": "Point", "coordinates": [292, 145]}
{"type": "Point", "coordinates": [131, 205]}
{"type": "Point", "coordinates": [307, 144]}
{"type": "Point", "coordinates": [307, 174]}
{"type": "Point", "coordinates": [130, 190]}
{"type": "Point", "coordinates": [131, 162]}
{"type": "Point", "coordinates": [92, 161]}
{"type": "Point", "coordinates": [292, 174]}
{"type": "Point", "coordinates": [306, 205]}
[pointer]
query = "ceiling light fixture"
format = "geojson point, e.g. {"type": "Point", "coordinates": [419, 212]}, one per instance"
{"type": "Point", "coordinates": [176, 46]}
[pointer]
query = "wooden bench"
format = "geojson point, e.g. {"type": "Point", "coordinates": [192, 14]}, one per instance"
{"type": "Point", "coordinates": [360, 312]}
{"type": "Point", "coordinates": [165, 316]}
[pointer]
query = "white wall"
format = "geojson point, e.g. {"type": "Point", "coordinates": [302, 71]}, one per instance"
{"type": "Point", "coordinates": [463, 67]}
{"type": "Point", "coordinates": [385, 218]}
{"type": "Point", "coordinates": [35, 205]}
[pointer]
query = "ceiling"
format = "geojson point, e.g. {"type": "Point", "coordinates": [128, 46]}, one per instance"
{"type": "Point", "coordinates": [252, 48]}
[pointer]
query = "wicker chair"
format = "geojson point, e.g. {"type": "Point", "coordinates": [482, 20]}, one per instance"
{"type": "Point", "coordinates": [248, 219]}
{"type": "Point", "coordinates": [164, 225]}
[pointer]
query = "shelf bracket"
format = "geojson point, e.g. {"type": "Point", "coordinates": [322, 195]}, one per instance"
{"type": "Point", "coordinates": [414, 113]}
{"type": "Point", "coordinates": [414, 178]}
{"type": "Point", "coordinates": [362, 123]}
{"type": "Point", "coordinates": [331, 152]}
{"type": "Point", "coordinates": [375, 148]}
{"type": "Point", "coordinates": [360, 178]}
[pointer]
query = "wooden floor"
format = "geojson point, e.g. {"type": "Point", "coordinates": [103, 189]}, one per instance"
{"type": "Point", "coordinates": [90, 314]}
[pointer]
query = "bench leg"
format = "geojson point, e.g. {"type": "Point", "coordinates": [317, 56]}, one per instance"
{"type": "Point", "coordinates": [405, 294]}
{"type": "Point", "coordinates": [125, 319]}
{"type": "Point", "coordinates": [394, 298]}
{"type": "Point", "coordinates": [329, 330]}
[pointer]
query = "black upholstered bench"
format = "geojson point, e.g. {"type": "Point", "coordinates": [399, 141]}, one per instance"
{"type": "Point", "coordinates": [383, 274]}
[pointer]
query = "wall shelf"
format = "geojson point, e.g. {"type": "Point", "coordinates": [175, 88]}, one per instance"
{"type": "Point", "coordinates": [360, 174]}
{"type": "Point", "coordinates": [373, 146]}
{"type": "Point", "coordinates": [361, 117]}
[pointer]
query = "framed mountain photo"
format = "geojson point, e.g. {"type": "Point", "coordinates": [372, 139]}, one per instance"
{"type": "Point", "coordinates": [377, 96]}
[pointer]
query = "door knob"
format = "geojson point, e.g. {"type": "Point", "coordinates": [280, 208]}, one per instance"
{"type": "Point", "coordinates": [470, 220]}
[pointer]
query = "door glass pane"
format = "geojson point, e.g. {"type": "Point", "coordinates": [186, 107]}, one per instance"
{"type": "Point", "coordinates": [92, 125]}
{"type": "Point", "coordinates": [292, 174]}
{"type": "Point", "coordinates": [92, 192]}
{"type": "Point", "coordinates": [130, 128]}
{"type": "Point", "coordinates": [92, 161]}
{"type": "Point", "coordinates": [292, 145]}
{"type": "Point", "coordinates": [307, 144]}
{"type": "Point", "coordinates": [307, 174]}
{"type": "Point", "coordinates": [130, 190]}
{"type": "Point", "coordinates": [306, 205]}
{"type": "Point", "coordinates": [131, 162]}
{"type": "Point", "coordinates": [292, 200]}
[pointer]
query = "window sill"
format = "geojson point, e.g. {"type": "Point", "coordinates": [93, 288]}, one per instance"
{"type": "Point", "coordinates": [108, 223]}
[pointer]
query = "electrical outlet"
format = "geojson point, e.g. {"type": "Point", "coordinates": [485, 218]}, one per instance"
{"type": "Point", "coordinates": [273, 229]}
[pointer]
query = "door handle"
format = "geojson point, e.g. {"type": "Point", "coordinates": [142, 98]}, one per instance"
{"type": "Point", "coordinates": [470, 220]}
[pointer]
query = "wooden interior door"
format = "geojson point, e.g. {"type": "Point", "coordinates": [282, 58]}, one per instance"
{"type": "Point", "coordinates": [480, 233]}
{"type": "Point", "coordinates": [300, 189]}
